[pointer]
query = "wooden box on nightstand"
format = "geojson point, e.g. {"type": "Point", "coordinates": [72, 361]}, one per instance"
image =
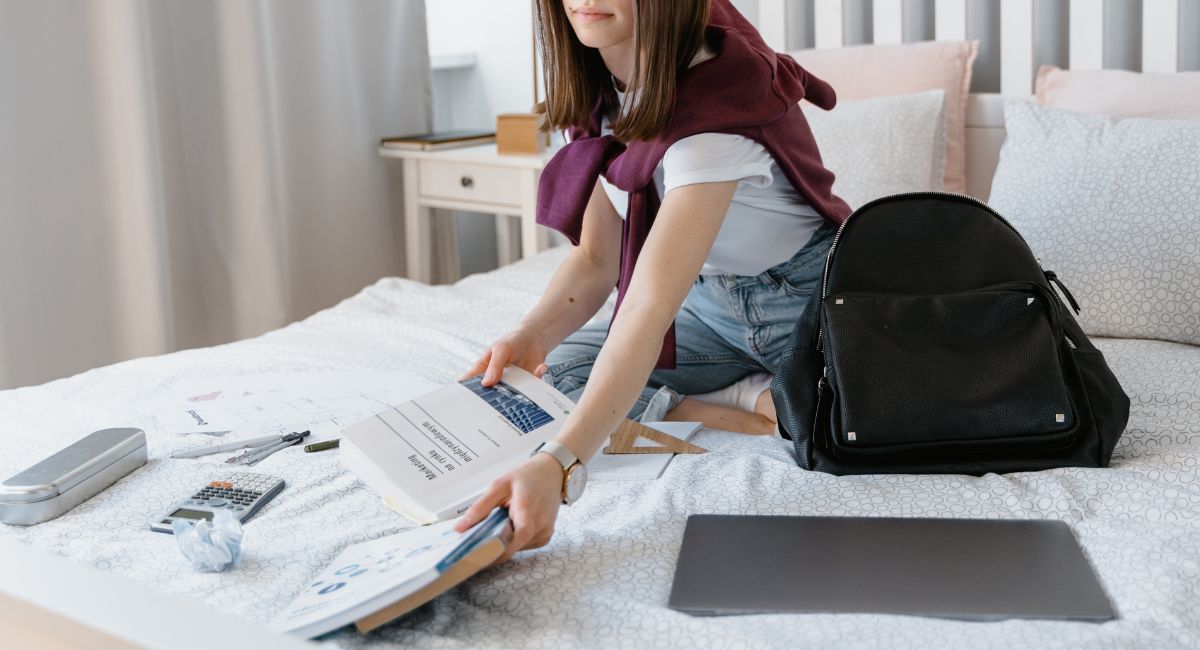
{"type": "Point", "coordinates": [520, 133]}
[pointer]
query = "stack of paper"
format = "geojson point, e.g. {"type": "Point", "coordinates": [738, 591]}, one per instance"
{"type": "Point", "coordinates": [248, 406]}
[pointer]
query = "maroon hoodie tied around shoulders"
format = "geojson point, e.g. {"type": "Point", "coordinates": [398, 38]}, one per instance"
{"type": "Point", "coordinates": [746, 89]}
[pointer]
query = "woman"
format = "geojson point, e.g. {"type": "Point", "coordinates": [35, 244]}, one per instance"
{"type": "Point", "coordinates": [680, 100]}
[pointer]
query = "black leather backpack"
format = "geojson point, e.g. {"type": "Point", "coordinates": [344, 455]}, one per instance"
{"type": "Point", "coordinates": [937, 344]}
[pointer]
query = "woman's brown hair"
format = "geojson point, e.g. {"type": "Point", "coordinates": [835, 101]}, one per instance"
{"type": "Point", "coordinates": [668, 34]}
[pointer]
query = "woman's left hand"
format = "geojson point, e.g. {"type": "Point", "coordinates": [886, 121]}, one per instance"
{"type": "Point", "coordinates": [532, 492]}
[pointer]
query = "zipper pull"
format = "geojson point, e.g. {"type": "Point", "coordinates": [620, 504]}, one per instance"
{"type": "Point", "coordinates": [823, 385]}
{"type": "Point", "coordinates": [1053, 277]}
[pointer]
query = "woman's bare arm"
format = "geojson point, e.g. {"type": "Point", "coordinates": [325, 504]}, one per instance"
{"type": "Point", "coordinates": [683, 233]}
{"type": "Point", "coordinates": [584, 280]}
{"type": "Point", "coordinates": [574, 294]}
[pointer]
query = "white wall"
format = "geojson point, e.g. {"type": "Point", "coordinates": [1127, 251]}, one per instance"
{"type": "Point", "coordinates": [500, 35]}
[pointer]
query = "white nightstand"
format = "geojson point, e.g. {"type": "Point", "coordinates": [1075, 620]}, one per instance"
{"type": "Point", "coordinates": [473, 179]}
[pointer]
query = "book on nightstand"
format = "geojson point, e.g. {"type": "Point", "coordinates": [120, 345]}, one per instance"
{"type": "Point", "coordinates": [438, 141]}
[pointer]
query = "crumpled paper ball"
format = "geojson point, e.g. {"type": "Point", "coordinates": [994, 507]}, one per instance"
{"type": "Point", "coordinates": [211, 546]}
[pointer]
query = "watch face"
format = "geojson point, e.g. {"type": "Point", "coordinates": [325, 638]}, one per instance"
{"type": "Point", "coordinates": [576, 479]}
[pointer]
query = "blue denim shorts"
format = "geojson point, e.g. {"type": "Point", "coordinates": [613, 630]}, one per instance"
{"type": "Point", "coordinates": [728, 326]}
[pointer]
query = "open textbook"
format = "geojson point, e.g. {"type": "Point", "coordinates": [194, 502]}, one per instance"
{"type": "Point", "coordinates": [373, 582]}
{"type": "Point", "coordinates": [432, 456]}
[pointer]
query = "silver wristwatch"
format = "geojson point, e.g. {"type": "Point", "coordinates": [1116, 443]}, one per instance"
{"type": "Point", "coordinates": [574, 473]}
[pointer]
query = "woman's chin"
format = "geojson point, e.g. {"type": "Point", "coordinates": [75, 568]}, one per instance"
{"type": "Point", "coordinates": [598, 36]}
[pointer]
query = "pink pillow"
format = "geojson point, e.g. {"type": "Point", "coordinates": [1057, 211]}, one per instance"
{"type": "Point", "coordinates": [866, 71]}
{"type": "Point", "coordinates": [1119, 93]}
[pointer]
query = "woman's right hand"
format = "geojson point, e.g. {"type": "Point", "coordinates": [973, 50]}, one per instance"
{"type": "Point", "coordinates": [532, 492]}
{"type": "Point", "coordinates": [519, 347]}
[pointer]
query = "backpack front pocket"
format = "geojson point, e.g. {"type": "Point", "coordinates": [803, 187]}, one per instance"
{"type": "Point", "coordinates": [958, 373]}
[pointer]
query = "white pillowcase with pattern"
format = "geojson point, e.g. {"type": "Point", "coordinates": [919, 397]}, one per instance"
{"type": "Point", "coordinates": [881, 146]}
{"type": "Point", "coordinates": [1113, 207]}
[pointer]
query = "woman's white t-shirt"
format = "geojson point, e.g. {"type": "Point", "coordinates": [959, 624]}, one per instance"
{"type": "Point", "coordinates": [767, 221]}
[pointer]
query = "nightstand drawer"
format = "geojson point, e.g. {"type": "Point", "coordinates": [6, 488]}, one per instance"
{"type": "Point", "coordinates": [467, 182]}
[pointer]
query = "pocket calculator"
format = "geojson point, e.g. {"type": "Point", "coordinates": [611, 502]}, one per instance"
{"type": "Point", "coordinates": [240, 493]}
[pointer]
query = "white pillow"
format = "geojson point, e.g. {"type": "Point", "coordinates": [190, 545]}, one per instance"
{"type": "Point", "coordinates": [1114, 209]}
{"type": "Point", "coordinates": [883, 145]}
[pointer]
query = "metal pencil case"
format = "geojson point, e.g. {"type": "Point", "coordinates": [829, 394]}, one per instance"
{"type": "Point", "coordinates": [71, 476]}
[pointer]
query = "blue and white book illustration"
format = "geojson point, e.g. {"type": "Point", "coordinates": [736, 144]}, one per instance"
{"type": "Point", "coordinates": [370, 576]}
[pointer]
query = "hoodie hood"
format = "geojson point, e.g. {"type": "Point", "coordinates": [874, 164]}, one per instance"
{"type": "Point", "coordinates": [789, 82]}
{"type": "Point", "coordinates": [746, 78]}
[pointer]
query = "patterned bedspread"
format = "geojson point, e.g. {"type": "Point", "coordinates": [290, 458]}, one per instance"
{"type": "Point", "coordinates": [604, 579]}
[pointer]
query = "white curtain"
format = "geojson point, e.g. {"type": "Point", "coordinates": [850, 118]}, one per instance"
{"type": "Point", "coordinates": [179, 173]}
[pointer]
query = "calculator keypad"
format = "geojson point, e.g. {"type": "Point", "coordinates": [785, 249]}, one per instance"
{"type": "Point", "coordinates": [236, 491]}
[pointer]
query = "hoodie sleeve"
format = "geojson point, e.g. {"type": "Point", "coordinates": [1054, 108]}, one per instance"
{"type": "Point", "coordinates": [790, 82]}
{"type": "Point", "coordinates": [816, 90]}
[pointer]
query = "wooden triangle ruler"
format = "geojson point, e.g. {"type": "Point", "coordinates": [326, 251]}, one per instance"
{"type": "Point", "coordinates": [624, 439]}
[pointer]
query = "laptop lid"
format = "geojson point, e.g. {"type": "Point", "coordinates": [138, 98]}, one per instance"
{"type": "Point", "coordinates": [979, 569]}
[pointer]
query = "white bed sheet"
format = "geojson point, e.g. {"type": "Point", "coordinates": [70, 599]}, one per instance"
{"type": "Point", "coordinates": [604, 579]}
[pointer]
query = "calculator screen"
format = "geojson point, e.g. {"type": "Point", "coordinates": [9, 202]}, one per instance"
{"type": "Point", "coordinates": [184, 513]}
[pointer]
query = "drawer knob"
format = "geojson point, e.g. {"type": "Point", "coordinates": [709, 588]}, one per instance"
{"type": "Point", "coordinates": [467, 181]}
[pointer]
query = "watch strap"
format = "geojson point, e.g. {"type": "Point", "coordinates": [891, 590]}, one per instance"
{"type": "Point", "coordinates": [560, 453]}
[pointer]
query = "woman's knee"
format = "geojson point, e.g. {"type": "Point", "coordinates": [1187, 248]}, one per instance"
{"type": "Point", "coordinates": [654, 404]}
{"type": "Point", "coordinates": [578, 352]}
{"type": "Point", "coordinates": [568, 352]}
{"type": "Point", "coordinates": [568, 368]}
{"type": "Point", "coordinates": [570, 361]}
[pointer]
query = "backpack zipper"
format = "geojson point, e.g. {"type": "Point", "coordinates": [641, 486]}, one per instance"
{"type": "Point", "coordinates": [926, 193]}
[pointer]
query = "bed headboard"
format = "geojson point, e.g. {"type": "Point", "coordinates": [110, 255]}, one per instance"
{"type": "Point", "coordinates": [1016, 37]}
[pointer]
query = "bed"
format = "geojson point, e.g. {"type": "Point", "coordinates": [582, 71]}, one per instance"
{"type": "Point", "coordinates": [603, 580]}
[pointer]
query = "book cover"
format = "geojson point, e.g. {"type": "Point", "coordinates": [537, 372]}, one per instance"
{"type": "Point", "coordinates": [430, 457]}
{"type": "Point", "coordinates": [374, 582]}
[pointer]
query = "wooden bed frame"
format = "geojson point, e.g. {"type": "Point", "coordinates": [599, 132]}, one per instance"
{"type": "Point", "coordinates": [48, 601]}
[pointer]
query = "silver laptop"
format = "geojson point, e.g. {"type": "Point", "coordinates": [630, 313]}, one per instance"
{"type": "Point", "coordinates": [977, 569]}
